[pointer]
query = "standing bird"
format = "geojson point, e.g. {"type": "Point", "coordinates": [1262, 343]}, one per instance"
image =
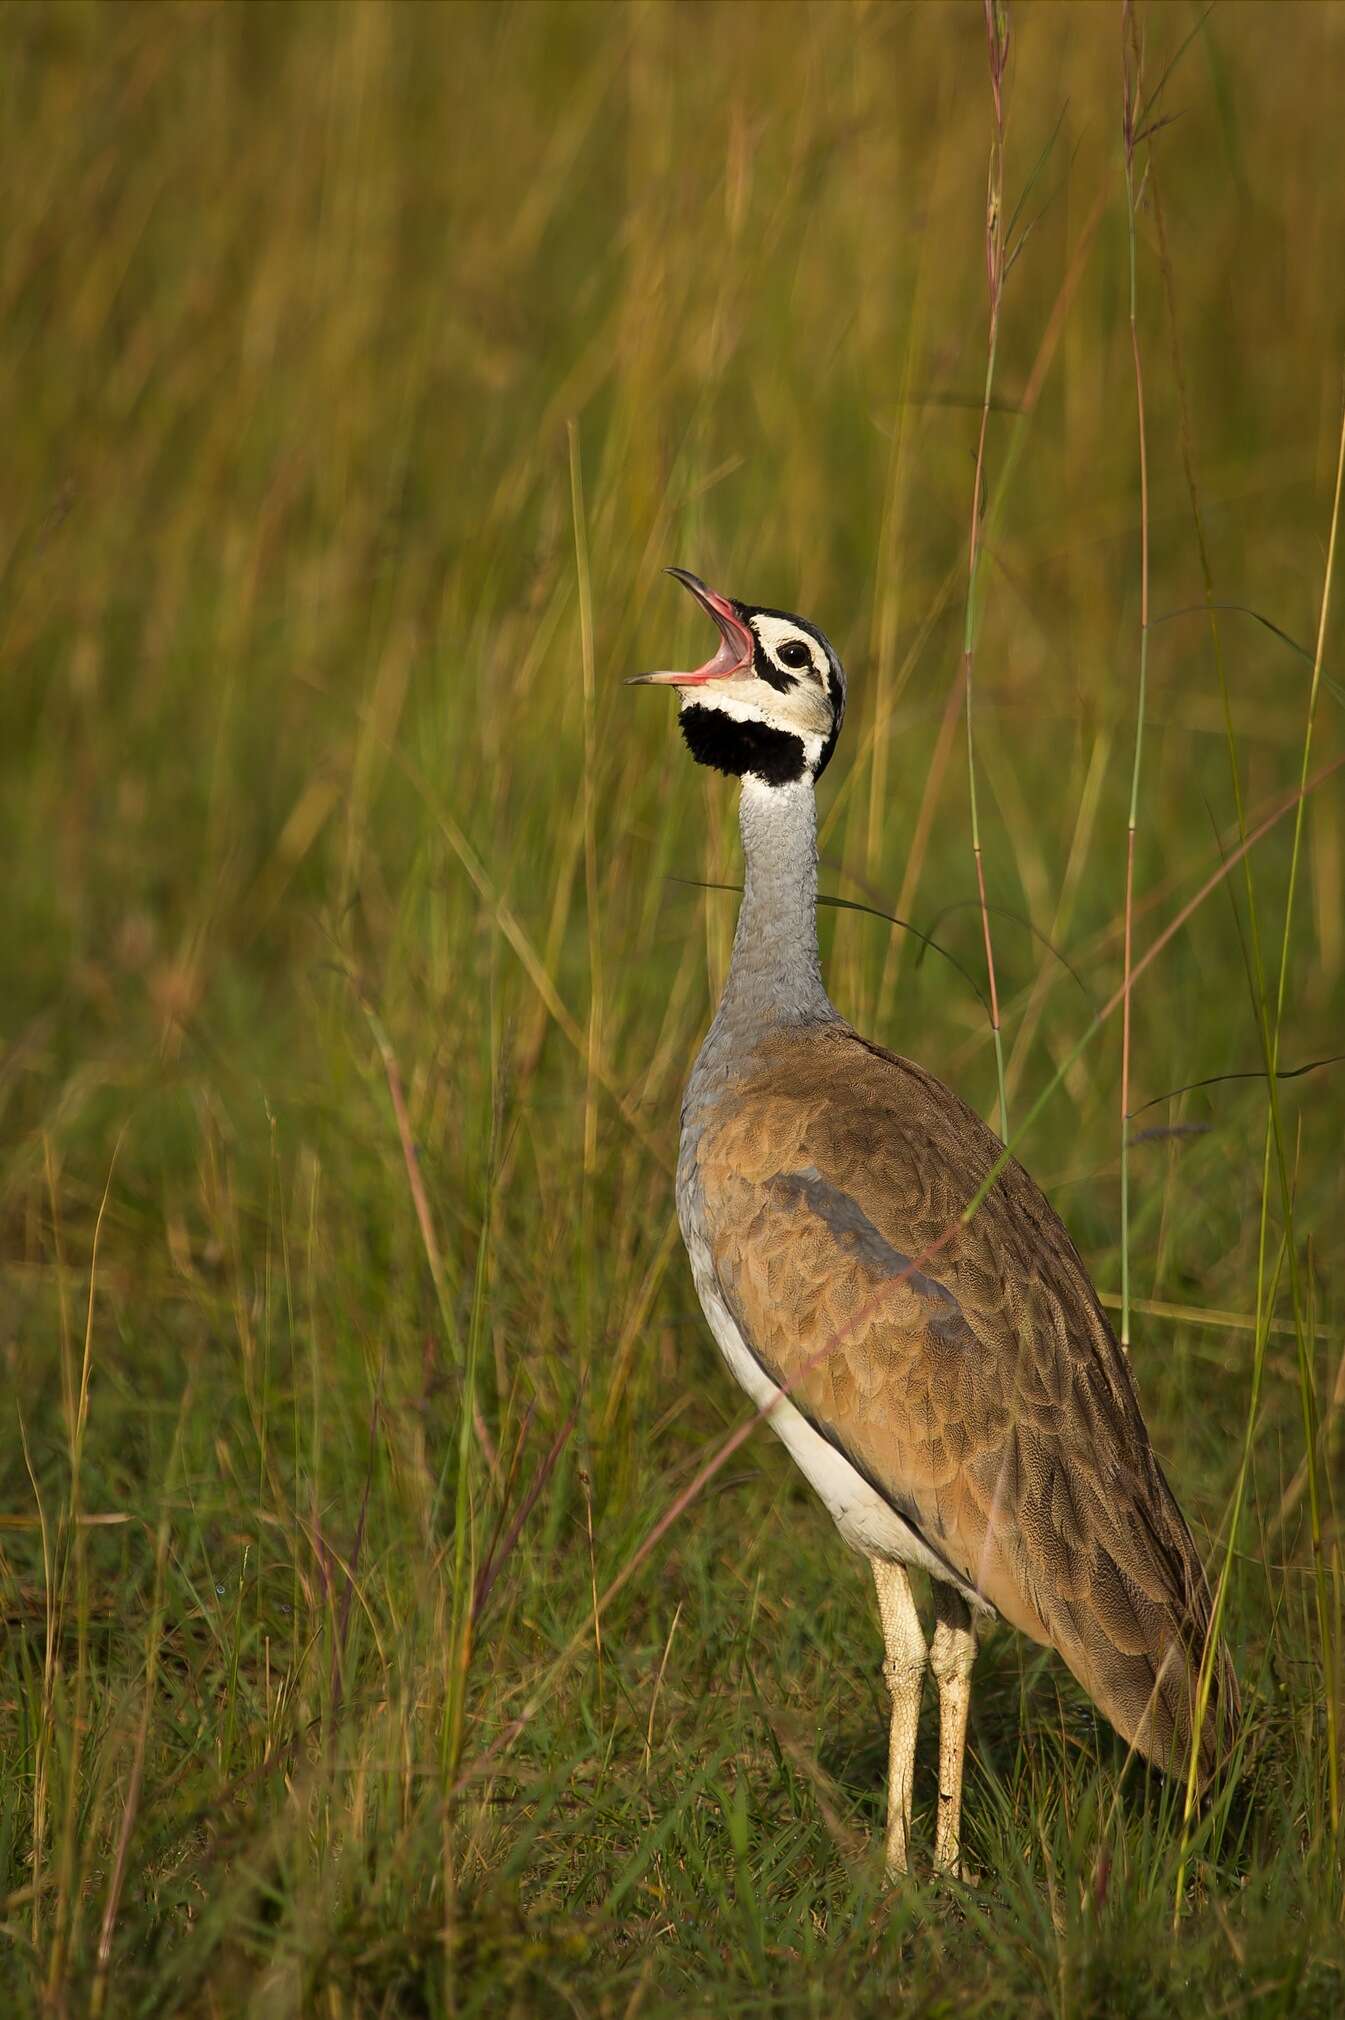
{"type": "Point", "coordinates": [952, 1390]}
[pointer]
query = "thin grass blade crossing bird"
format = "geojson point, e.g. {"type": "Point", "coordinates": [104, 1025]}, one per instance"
{"type": "Point", "coordinates": [953, 1392]}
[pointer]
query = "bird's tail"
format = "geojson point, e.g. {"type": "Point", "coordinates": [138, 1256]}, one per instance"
{"type": "Point", "coordinates": [1209, 1709]}
{"type": "Point", "coordinates": [1192, 1701]}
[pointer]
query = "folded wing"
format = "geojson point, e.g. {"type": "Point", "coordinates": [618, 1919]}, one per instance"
{"type": "Point", "coordinates": [967, 1371]}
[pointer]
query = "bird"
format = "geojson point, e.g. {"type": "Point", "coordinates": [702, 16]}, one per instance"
{"type": "Point", "coordinates": [946, 1380]}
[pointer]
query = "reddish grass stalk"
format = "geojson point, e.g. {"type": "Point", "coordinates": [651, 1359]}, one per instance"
{"type": "Point", "coordinates": [997, 43]}
{"type": "Point", "coordinates": [501, 1549]}
{"type": "Point", "coordinates": [1132, 60]}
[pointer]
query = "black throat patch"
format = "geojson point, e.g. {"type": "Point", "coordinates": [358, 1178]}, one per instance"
{"type": "Point", "coordinates": [775, 756]}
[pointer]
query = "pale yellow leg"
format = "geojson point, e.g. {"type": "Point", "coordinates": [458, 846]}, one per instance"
{"type": "Point", "coordinates": [951, 1655]}
{"type": "Point", "coordinates": [904, 1668]}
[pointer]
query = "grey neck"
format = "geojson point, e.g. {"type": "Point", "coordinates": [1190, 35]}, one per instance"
{"type": "Point", "coordinates": [775, 975]}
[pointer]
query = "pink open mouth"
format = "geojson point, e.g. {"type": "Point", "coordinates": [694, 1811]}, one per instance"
{"type": "Point", "coordinates": [735, 641]}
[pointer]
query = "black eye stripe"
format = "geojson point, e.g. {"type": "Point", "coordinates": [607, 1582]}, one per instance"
{"type": "Point", "coordinates": [766, 669]}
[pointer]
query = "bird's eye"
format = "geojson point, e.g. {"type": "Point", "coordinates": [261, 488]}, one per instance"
{"type": "Point", "coordinates": [794, 653]}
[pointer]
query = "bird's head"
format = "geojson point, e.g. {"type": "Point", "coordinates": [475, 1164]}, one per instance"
{"type": "Point", "coordinates": [770, 702]}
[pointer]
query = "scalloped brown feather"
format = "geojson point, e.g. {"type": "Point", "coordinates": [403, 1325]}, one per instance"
{"type": "Point", "coordinates": [967, 1371]}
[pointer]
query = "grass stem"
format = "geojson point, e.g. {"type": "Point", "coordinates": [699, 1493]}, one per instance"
{"type": "Point", "coordinates": [997, 42]}
{"type": "Point", "coordinates": [1132, 116]}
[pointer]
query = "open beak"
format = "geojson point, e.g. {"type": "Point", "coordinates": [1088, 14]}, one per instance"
{"type": "Point", "coordinates": [735, 641]}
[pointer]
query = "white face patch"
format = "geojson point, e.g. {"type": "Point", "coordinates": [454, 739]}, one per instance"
{"type": "Point", "coordinates": [786, 643]}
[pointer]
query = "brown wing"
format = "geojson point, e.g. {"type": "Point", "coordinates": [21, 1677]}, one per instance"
{"type": "Point", "coordinates": [968, 1372]}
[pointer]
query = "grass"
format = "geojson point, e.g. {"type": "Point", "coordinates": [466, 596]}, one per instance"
{"type": "Point", "coordinates": [362, 369]}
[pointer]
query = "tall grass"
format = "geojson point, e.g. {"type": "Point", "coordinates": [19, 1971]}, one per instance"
{"type": "Point", "coordinates": [401, 1614]}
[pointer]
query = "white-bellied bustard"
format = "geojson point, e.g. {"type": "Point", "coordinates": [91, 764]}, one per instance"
{"type": "Point", "coordinates": [952, 1391]}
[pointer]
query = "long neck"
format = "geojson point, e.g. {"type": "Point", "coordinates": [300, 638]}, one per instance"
{"type": "Point", "coordinates": [775, 976]}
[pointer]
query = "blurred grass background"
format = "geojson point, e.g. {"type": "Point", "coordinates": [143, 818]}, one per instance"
{"type": "Point", "coordinates": [361, 368]}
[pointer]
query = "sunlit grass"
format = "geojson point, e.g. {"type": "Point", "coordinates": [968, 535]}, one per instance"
{"type": "Point", "coordinates": [364, 367]}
